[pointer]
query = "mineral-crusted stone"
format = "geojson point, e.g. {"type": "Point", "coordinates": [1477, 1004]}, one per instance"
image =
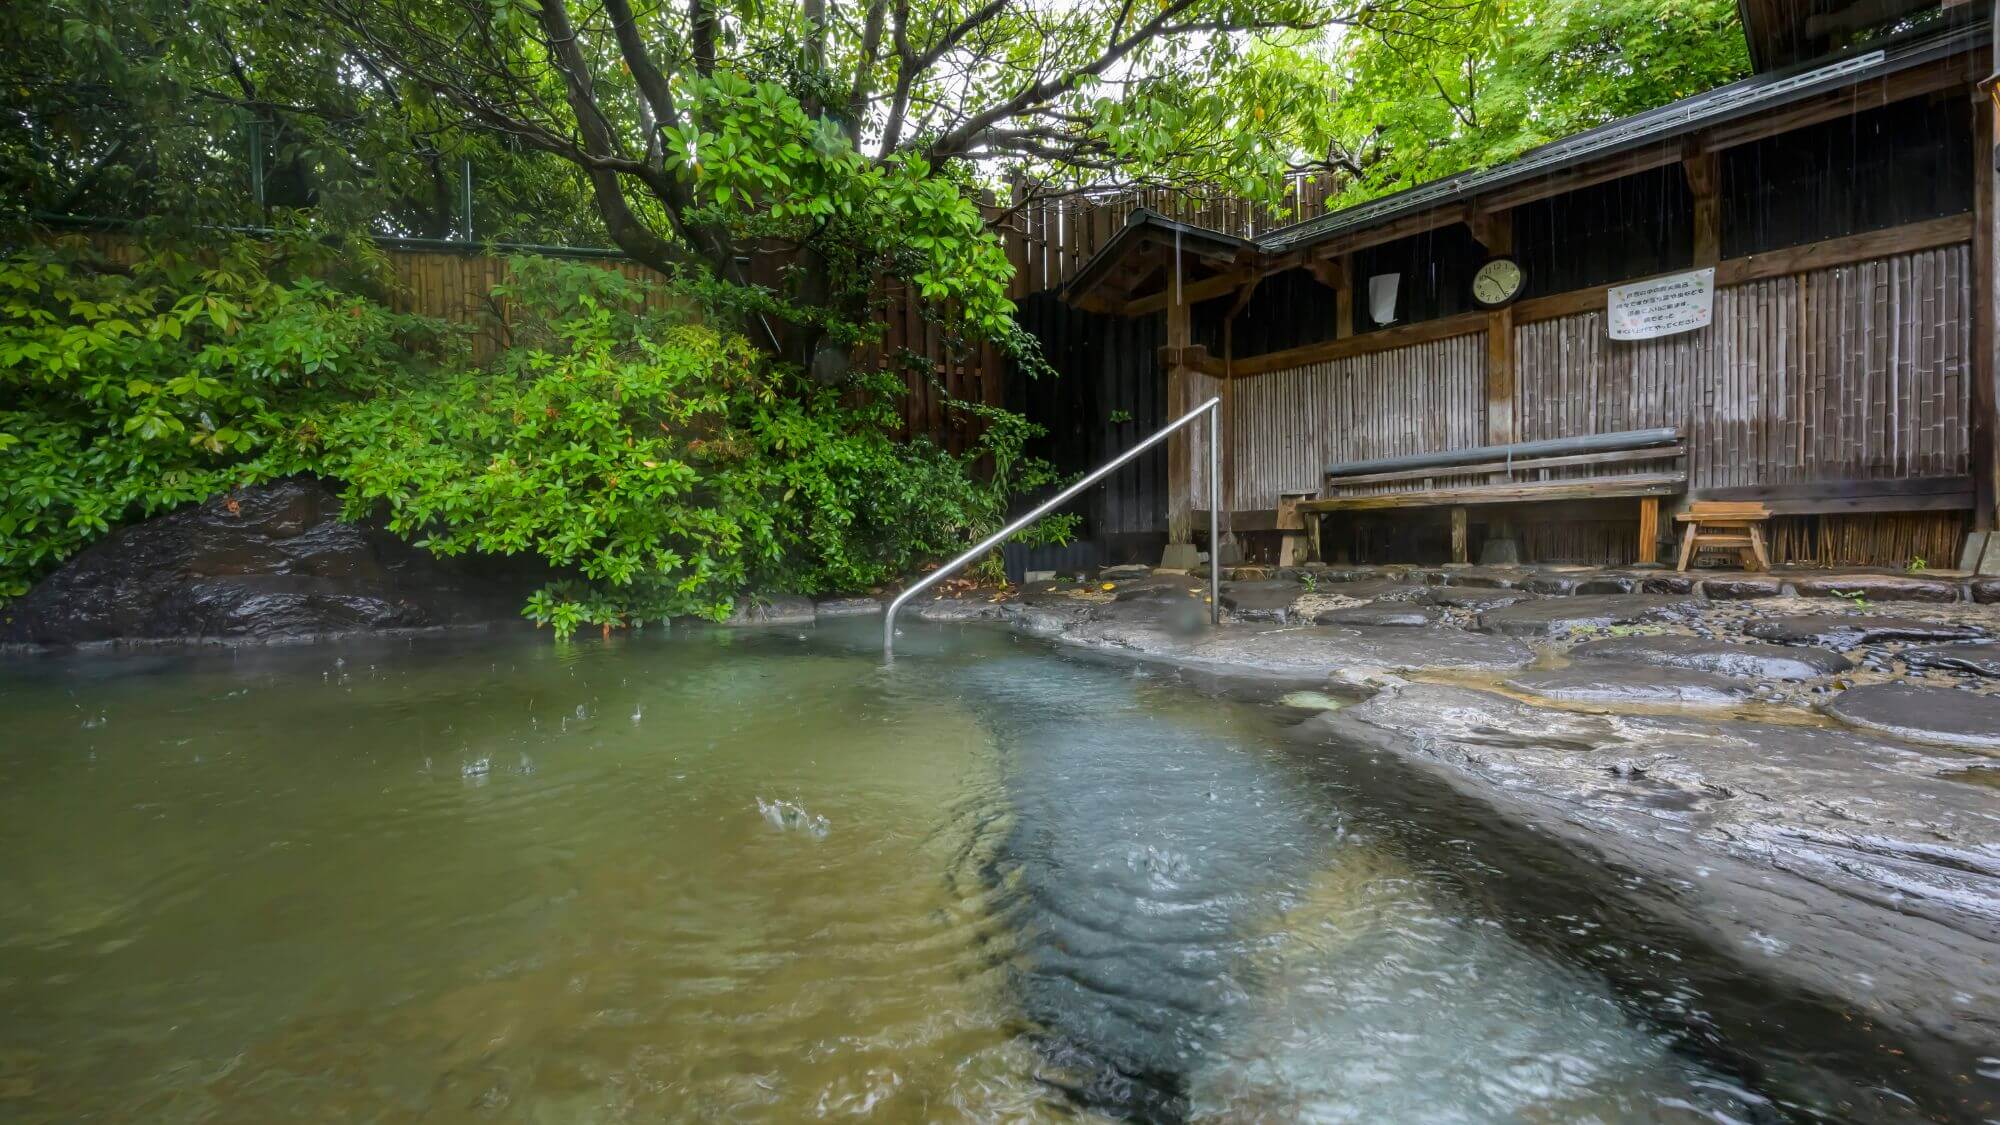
{"type": "Point", "coordinates": [1754, 661]}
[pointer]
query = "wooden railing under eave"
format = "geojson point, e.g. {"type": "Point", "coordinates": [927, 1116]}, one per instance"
{"type": "Point", "coordinates": [1933, 233]}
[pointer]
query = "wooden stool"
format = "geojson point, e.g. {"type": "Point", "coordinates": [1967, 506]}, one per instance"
{"type": "Point", "coordinates": [1725, 524]}
{"type": "Point", "coordinates": [1300, 534]}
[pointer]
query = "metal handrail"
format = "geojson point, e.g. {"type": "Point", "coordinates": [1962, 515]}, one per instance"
{"type": "Point", "coordinates": [1212, 408]}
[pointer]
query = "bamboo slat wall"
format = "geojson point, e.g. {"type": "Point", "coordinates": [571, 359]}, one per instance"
{"type": "Point", "coordinates": [1289, 425]}
{"type": "Point", "coordinates": [1852, 373]}
{"type": "Point", "coordinates": [1849, 373]}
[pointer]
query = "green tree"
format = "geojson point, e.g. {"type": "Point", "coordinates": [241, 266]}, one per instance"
{"type": "Point", "coordinates": [1418, 105]}
{"type": "Point", "coordinates": [803, 153]}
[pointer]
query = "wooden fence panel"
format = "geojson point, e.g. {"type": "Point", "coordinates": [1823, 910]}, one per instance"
{"type": "Point", "coordinates": [1849, 373]}
{"type": "Point", "coordinates": [1289, 425]}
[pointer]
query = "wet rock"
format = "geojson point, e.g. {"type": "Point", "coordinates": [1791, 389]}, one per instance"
{"type": "Point", "coordinates": [1485, 578]}
{"type": "Point", "coordinates": [1160, 586]}
{"type": "Point", "coordinates": [1560, 616]}
{"type": "Point", "coordinates": [847, 607]}
{"type": "Point", "coordinates": [1742, 587]}
{"type": "Point", "coordinates": [955, 609]}
{"type": "Point", "coordinates": [1878, 587]}
{"type": "Point", "coordinates": [1609, 584]}
{"type": "Point", "coordinates": [1125, 570]}
{"type": "Point", "coordinates": [1267, 599]}
{"type": "Point", "coordinates": [1559, 585]}
{"type": "Point", "coordinates": [1944, 716]}
{"type": "Point", "coordinates": [752, 611]}
{"type": "Point", "coordinates": [1614, 685]}
{"type": "Point", "coordinates": [1309, 653]}
{"type": "Point", "coordinates": [1047, 621]}
{"type": "Point", "coordinates": [1380, 616]}
{"type": "Point", "coordinates": [1830, 861]}
{"type": "Point", "coordinates": [1379, 590]}
{"type": "Point", "coordinates": [1474, 598]}
{"type": "Point", "coordinates": [1985, 591]}
{"type": "Point", "coordinates": [261, 563]}
{"type": "Point", "coordinates": [1978, 659]}
{"type": "Point", "coordinates": [1845, 630]}
{"type": "Point", "coordinates": [1697, 654]}
{"type": "Point", "coordinates": [1668, 583]}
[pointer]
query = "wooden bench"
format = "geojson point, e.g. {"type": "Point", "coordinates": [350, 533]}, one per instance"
{"type": "Point", "coordinates": [1523, 472]}
{"type": "Point", "coordinates": [1725, 524]}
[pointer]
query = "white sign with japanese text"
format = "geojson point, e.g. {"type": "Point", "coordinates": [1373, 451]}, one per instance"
{"type": "Point", "coordinates": [1661, 306]}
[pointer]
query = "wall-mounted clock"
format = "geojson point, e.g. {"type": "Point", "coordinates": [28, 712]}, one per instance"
{"type": "Point", "coordinates": [1498, 282]}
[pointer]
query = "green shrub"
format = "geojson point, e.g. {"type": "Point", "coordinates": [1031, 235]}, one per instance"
{"type": "Point", "coordinates": [662, 461]}
{"type": "Point", "coordinates": [628, 436]}
{"type": "Point", "coordinates": [125, 391]}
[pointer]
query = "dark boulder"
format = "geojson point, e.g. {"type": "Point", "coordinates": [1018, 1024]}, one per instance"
{"type": "Point", "coordinates": [1614, 686]}
{"type": "Point", "coordinates": [1878, 587]}
{"type": "Point", "coordinates": [1268, 599]}
{"type": "Point", "coordinates": [1560, 616]}
{"type": "Point", "coordinates": [1476, 598]}
{"type": "Point", "coordinates": [1484, 578]}
{"type": "Point", "coordinates": [1978, 659]}
{"type": "Point", "coordinates": [1696, 654]}
{"type": "Point", "coordinates": [1845, 630]}
{"type": "Point", "coordinates": [260, 563]}
{"type": "Point", "coordinates": [1378, 590]}
{"type": "Point", "coordinates": [1943, 716]}
{"type": "Point", "coordinates": [753, 610]}
{"type": "Point", "coordinates": [1380, 616]}
{"type": "Point", "coordinates": [1742, 587]}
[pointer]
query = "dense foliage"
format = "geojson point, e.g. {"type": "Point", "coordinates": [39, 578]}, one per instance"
{"type": "Point", "coordinates": [656, 459]}
{"type": "Point", "coordinates": [662, 461]}
{"type": "Point", "coordinates": [1509, 77]}
{"type": "Point", "coordinates": [806, 158]}
{"type": "Point", "coordinates": [124, 392]}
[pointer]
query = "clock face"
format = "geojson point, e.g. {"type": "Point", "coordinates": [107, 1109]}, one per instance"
{"type": "Point", "coordinates": [1497, 282]}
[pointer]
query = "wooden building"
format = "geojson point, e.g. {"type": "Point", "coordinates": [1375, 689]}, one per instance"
{"type": "Point", "coordinates": [1843, 371]}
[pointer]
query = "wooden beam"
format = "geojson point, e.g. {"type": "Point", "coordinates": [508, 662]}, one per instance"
{"type": "Point", "coordinates": [1704, 178]}
{"type": "Point", "coordinates": [1944, 74]}
{"type": "Point", "coordinates": [1911, 237]}
{"type": "Point", "coordinates": [1578, 488]}
{"type": "Point", "coordinates": [1180, 461]}
{"type": "Point", "coordinates": [1459, 551]}
{"type": "Point", "coordinates": [1582, 176]}
{"type": "Point", "coordinates": [1190, 293]}
{"type": "Point", "coordinates": [1649, 529]}
{"type": "Point", "coordinates": [1417, 223]}
{"type": "Point", "coordinates": [1985, 308]}
{"type": "Point", "coordinates": [1400, 336]}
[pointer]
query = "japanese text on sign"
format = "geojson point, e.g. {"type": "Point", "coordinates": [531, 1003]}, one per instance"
{"type": "Point", "coordinates": [1661, 306]}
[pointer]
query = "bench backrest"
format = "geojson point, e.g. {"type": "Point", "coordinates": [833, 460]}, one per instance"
{"type": "Point", "coordinates": [1723, 511]}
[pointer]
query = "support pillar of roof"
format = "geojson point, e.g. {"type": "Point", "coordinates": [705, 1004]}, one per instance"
{"type": "Point", "coordinates": [1704, 180]}
{"type": "Point", "coordinates": [1495, 231]}
{"type": "Point", "coordinates": [1986, 312]}
{"type": "Point", "coordinates": [1180, 459]}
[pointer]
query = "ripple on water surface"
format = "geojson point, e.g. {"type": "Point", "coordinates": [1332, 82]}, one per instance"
{"type": "Point", "coordinates": [740, 877]}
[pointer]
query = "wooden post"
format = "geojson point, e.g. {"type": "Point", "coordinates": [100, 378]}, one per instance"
{"type": "Point", "coordinates": [1228, 427]}
{"type": "Point", "coordinates": [1649, 529]}
{"type": "Point", "coordinates": [1459, 551]}
{"type": "Point", "coordinates": [1985, 308]}
{"type": "Point", "coordinates": [1495, 231]}
{"type": "Point", "coordinates": [1343, 297]}
{"type": "Point", "coordinates": [1704, 184]}
{"type": "Point", "coordinates": [1180, 459]}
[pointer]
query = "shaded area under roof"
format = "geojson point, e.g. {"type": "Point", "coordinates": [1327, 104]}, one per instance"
{"type": "Point", "coordinates": [1758, 94]}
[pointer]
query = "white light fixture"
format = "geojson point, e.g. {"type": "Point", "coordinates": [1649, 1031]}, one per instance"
{"type": "Point", "coordinates": [1382, 297]}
